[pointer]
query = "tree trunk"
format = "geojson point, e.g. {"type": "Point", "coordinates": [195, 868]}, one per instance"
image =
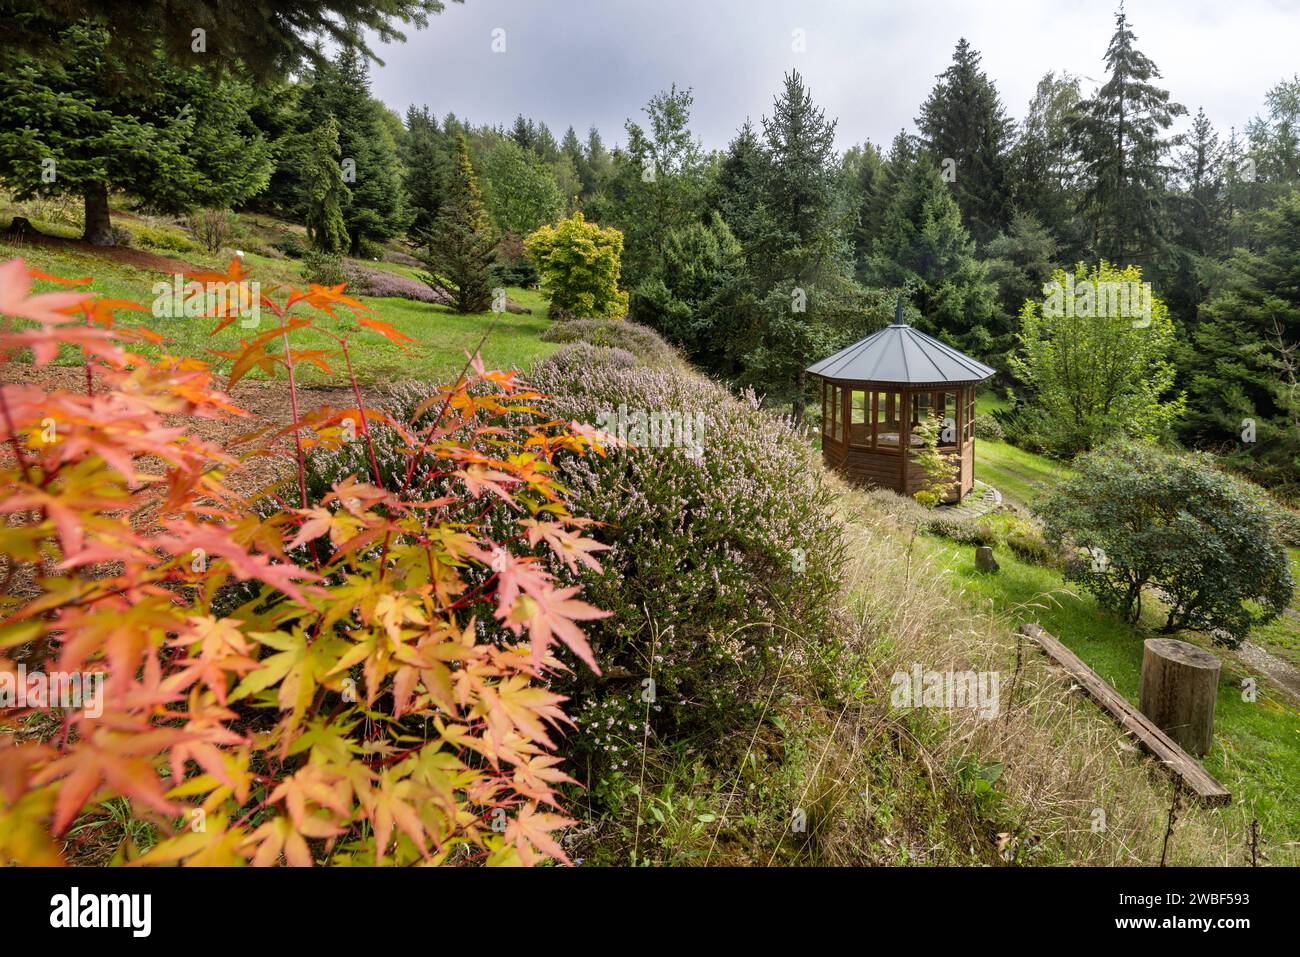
{"type": "Point", "coordinates": [99, 230]}
{"type": "Point", "coordinates": [1180, 683]}
{"type": "Point", "coordinates": [800, 402]}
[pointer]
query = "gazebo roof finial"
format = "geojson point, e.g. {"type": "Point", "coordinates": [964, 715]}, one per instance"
{"type": "Point", "coordinates": [898, 312]}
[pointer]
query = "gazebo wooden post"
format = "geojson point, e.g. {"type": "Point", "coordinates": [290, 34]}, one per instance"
{"type": "Point", "coordinates": [904, 437]}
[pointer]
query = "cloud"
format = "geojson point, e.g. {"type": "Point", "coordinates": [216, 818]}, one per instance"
{"type": "Point", "coordinates": [585, 62]}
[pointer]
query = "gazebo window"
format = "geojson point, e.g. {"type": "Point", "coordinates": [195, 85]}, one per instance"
{"type": "Point", "coordinates": [859, 408]}
{"type": "Point", "coordinates": [922, 403]}
{"type": "Point", "coordinates": [826, 421]}
{"type": "Point", "coordinates": [948, 412]}
{"type": "Point", "coordinates": [887, 408]}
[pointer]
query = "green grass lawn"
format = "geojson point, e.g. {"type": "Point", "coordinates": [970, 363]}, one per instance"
{"type": "Point", "coordinates": [1256, 753]}
{"type": "Point", "coordinates": [1282, 636]}
{"type": "Point", "coordinates": [441, 336]}
{"type": "Point", "coordinates": [1019, 475]}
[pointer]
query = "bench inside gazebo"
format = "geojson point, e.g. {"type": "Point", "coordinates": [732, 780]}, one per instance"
{"type": "Point", "coordinates": [875, 392]}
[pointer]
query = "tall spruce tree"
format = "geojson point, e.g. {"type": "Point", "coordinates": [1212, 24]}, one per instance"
{"type": "Point", "coordinates": [74, 126]}
{"type": "Point", "coordinates": [863, 197]}
{"type": "Point", "coordinates": [924, 248]}
{"type": "Point", "coordinates": [738, 189]}
{"type": "Point", "coordinates": [595, 168]}
{"type": "Point", "coordinates": [797, 253]}
{"type": "Point", "coordinates": [325, 191]}
{"type": "Point", "coordinates": [460, 249]}
{"type": "Point", "coordinates": [376, 209]}
{"type": "Point", "coordinates": [1042, 164]}
{"type": "Point", "coordinates": [963, 123]}
{"type": "Point", "coordinates": [1244, 372]}
{"type": "Point", "coordinates": [1118, 137]}
{"type": "Point", "coordinates": [1198, 213]}
{"type": "Point", "coordinates": [799, 189]}
{"type": "Point", "coordinates": [424, 155]}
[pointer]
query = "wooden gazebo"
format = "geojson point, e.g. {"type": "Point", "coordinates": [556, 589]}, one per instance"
{"type": "Point", "coordinates": [878, 389]}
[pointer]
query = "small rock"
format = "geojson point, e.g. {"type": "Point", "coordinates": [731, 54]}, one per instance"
{"type": "Point", "coordinates": [984, 560]}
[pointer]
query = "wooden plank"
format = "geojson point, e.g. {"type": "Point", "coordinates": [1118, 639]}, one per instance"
{"type": "Point", "coordinates": [1154, 741]}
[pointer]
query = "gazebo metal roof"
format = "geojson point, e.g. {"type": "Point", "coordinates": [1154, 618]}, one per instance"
{"type": "Point", "coordinates": [901, 355]}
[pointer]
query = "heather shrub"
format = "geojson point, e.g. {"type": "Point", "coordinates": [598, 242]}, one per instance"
{"type": "Point", "coordinates": [723, 557]}
{"type": "Point", "coordinates": [642, 342]}
{"type": "Point", "coordinates": [573, 359]}
{"type": "Point", "coordinates": [962, 530]}
{"type": "Point", "coordinates": [363, 281]}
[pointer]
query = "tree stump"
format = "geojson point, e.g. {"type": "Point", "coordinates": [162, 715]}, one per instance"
{"type": "Point", "coordinates": [1180, 683]}
{"type": "Point", "coordinates": [984, 560]}
{"type": "Point", "coordinates": [22, 226]}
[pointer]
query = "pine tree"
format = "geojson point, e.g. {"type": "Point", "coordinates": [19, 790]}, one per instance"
{"type": "Point", "coordinates": [1042, 166]}
{"type": "Point", "coordinates": [1244, 370]}
{"type": "Point", "coordinates": [924, 247]}
{"type": "Point", "coordinates": [894, 172]}
{"type": "Point", "coordinates": [797, 254]}
{"type": "Point", "coordinates": [1117, 137]}
{"type": "Point", "coordinates": [738, 190]}
{"type": "Point", "coordinates": [868, 181]}
{"type": "Point", "coordinates": [425, 157]}
{"type": "Point", "coordinates": [1198, 213]}
{"type": "Point", "coordinates": [326, 192]}
{"type": "Point", "coordinates": [268, 39]}
{"type": "Point", "coordinates": [1020, 261]}
{"type": "Point", "coordinates": [799, 236]}
{"type": "Point", "coordinates": [963, 122]}
{"type": "Point", "coordinates": [376, 209]}
{"type": "Point", "coordinates": [72, 127]}
{"type": "Point", "coordinates": [461, 248]}
{"type": "Point", "coordinates": [595, 168]}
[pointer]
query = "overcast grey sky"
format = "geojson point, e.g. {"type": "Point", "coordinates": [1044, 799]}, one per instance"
{"type": "Point", "coordinates": [869, 63]}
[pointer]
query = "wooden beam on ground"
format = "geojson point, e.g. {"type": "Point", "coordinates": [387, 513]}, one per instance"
{"type": "Point", "coordinates": [1154, 741]}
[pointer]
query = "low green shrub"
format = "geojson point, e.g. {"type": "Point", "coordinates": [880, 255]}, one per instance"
{"type": "Point", "coordinates": [164, 239]}
{"type": "Point", "coordinates": [1026, 540]}
{"type": "Point", "coordinates": [964, 531]}
{"type": "Point", "coordinates": [291, 245]}
{"type": "Point", "coordinates": [988, 427]}
{"type": "Point", "coordinates": [324, 269]}
{"type": "Point", "coordinates": [1140, 518]}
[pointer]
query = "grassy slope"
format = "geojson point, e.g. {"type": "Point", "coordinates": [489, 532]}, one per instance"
{"type": "Point", "coordinates": [441, 336]}
{"type": "Point", "coordinates": [1257, 744]}
{"type": "Point", "coordinates": [1017, 474]}
{"type": "Point", "coordinates": [1257, 753]}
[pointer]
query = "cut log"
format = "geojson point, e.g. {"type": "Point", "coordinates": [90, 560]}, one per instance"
{"type": "Point", "coordinates": [1154, 741]}
{"type": "Point", "coordinates": [1180, 683]}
